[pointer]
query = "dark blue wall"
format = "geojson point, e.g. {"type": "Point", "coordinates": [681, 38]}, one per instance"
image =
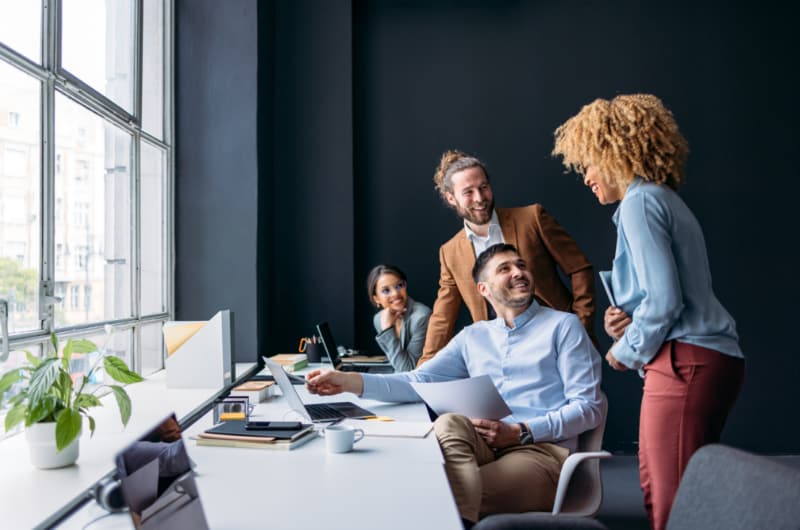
{"type": "Point", "coordinates": [357, 100]}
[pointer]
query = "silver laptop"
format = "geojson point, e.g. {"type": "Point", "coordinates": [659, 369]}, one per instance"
{"type": "Point", "coordinates": [315, 412]}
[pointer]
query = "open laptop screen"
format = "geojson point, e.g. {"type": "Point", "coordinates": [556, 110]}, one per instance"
{"type": "Point", "coordinates": [157, 480]}
{"type": "Point", "coordinates": [328, 343]}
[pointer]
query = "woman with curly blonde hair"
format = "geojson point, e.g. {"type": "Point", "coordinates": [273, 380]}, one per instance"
{"type": "Point", "coordinates": [666, 321]}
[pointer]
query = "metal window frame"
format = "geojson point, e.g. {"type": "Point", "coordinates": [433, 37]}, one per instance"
{"type": "Point", "coordinates": [54, 79]}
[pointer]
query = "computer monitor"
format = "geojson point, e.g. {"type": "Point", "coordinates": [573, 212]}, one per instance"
{"type": "Point", "coordinates": [158, 482]}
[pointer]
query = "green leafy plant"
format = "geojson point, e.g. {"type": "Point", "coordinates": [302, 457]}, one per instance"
{"type": "Point", "coordinates": [48, 392]}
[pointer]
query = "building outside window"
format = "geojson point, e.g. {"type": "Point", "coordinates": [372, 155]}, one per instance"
{"type": "Point", "coordinates": [71, 209]}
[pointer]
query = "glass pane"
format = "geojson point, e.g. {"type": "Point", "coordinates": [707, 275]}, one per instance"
{"type": "Point", "coordinates": [97, 46]}
{"type": "Point", "coordinates": [20, 197]}
{"type": "Point", "coordinates": [152, 229]}
{"type": "Point", "coordinates": [21, 27]}
{"type": "Point", "coordinates": [118, 344]}
{"type": "Point", "coordinates": [153, 67]}
{"type": "Point", "coordinates": [152, 348]}
{"type": "Point", "coordinates": [93, 217]}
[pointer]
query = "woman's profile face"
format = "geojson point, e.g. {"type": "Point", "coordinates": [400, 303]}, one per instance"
{"type": "Point", "coordinates": [604, 192]}
{"type": "Point", "coordinates": [390, 292]}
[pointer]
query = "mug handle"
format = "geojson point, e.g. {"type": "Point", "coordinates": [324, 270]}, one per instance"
{"type": "Point", "coordinates": [358, 435]}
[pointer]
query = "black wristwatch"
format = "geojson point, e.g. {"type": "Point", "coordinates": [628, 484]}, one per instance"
{"type": "Point", "coordinates": [525, 435]}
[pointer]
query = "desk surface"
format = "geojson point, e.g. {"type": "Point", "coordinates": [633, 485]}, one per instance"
{"type": "Point", "coordinates": [29, 495]}
{"type": "Point", "coordinates": [383, 483]}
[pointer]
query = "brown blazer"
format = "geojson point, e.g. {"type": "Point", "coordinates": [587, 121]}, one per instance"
{"type": "Point", "coordinates": [543, 244]}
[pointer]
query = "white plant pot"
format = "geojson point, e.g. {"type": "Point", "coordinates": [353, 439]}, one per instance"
{"type": "Point", "coordinates": [42, 444]}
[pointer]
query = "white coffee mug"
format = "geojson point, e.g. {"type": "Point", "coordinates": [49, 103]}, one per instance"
{"type": "Point", "coordinates": [340, 438]}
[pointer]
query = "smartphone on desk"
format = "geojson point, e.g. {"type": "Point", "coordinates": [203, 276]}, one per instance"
{"type": "Point", "coordinates": [273, 425]}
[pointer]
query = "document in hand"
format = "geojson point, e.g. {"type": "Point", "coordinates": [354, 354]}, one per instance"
{"type": "Point", "coordinates": [475, 397]}
{"type": "Point", "coordinates": [605, 279]}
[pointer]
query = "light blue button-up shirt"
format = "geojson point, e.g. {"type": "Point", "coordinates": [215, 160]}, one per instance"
{"type": "Point", "coordinates": [545, 368]}
{"type": "Point", "coordinates": [662, 279]}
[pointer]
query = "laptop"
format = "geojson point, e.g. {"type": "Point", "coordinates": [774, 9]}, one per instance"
{"type": "Point", "coordinates": [315, 412]}
{"type": "Point", "coordinates": [324, 331]}
{"type": "Point", "coordinates": [157, 480]}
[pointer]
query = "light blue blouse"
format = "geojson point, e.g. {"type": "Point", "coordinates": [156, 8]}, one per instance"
{"type": "Point", "coordinates": [661, 277]}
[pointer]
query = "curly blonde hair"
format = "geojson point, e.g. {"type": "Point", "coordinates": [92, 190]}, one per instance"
{"type": "Point", "coordinates": [452, 162]}
{"type": "Point", "coordinates": [631, 135]}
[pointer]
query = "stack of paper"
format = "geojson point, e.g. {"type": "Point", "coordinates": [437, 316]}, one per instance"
{"type": "Point", "coordinates": [255, 391]}
{"type": "Point", "coordinates": [393, 429]}
{"type": "Point", "coordinates": [291, 361]}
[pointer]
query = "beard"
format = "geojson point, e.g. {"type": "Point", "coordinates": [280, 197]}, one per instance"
{"type": "Point", "coordinates": [476, 217]}
{"type": "Point", "coordinates": [504, 297]}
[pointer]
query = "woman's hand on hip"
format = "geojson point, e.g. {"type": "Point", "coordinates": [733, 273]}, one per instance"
{"type": "Point", "coordinates": [615, 321]}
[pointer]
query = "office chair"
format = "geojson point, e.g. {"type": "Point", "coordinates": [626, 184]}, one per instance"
{"type": "Point", "coordinates": [579, 492]}
{"type": "Point", "coordinates": [726, 488]}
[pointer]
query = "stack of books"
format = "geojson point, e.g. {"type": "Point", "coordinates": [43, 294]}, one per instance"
{"type": "Point", "coordinates": [254, 391]}
{"type": "Point", "coordinates": [291, 362]}
{"type": "Point", "coordinates": [234, 434]}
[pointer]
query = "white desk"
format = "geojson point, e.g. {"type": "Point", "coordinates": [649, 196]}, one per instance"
{"type": "Point", "coordinates": [29, 495]}
{"type": "Point", "coordinates": [384, 483]}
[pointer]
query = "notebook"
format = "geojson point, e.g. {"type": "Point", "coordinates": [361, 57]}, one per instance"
{"type": "Point", "coordinates": [379, 366]}
{"type": "Point", "coordinates": [316, 412]}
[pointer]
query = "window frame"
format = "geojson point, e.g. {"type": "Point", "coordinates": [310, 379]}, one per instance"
{"type": "Point", "coordinates": [53, 79]}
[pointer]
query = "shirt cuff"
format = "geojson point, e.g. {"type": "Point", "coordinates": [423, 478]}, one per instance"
{"type": "Point", "coordinates": [369, 384]}
{"type": "Point", "coordinates": [625, 354]}
{"type": "Point", "coordinates": [540, 429]}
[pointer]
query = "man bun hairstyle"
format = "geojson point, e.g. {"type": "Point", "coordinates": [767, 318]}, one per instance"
{"type": "Point", "coordinates": [452, 162]}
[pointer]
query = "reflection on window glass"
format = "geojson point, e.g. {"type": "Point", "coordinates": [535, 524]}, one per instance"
{"type": "Point", "coordinates": [21, 27]}
{"type": "Point", "coordinates": [153, 67]}
{"type": "Point", "coordinates": [97, 46]}
{"type": "Point", "coordinates": [152, 345]}
{"type": "Point", "coordinates": [95, 234]}
{"type": "Point", "coordinates": [153, 168]}
{"type": "Point", "coordinates": [118, 343]}
{"type": "Point", "coordinates": [20, 196]}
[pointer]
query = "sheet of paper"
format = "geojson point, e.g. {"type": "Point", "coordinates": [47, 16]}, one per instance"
{"type": "Point", "coordinates": [605, 279]}
{"type": "Point", "coordinates": [475, 397]}
{"type": "Point", "coordinates": [177, 333]}
{"type": "Point", "coordinates": [392, 429]}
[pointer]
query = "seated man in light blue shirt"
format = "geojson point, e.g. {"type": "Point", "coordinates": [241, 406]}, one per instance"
{"type": "Point", "coordinates": [542, 363]}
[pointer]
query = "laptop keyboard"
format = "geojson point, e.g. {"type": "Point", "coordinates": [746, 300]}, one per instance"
{"type": "Point", "coordinates": [320, 411]}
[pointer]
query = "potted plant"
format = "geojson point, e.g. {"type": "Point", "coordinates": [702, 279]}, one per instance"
{"type": "Point", "coordinates": [52, 402]}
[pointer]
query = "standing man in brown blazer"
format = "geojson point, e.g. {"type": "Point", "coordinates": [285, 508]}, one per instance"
{"type": "Point", "coordinates": [463, 183]}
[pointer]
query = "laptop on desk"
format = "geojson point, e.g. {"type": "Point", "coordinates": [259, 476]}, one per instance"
{"type": "Point", "coordinates": [378, 366]}
{"type": "Point", "coordinates": [315, 412]}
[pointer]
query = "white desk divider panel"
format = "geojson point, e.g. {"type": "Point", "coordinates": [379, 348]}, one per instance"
{"type": "Point", "coordinates": [199, 353]}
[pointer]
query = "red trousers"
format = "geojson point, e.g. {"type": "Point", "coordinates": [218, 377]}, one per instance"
{"type": "Point", "coordinates": [688, 392]}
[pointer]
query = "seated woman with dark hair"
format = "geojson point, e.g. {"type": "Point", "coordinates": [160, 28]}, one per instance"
{"type": "Point", "coordinates": [401, 322]}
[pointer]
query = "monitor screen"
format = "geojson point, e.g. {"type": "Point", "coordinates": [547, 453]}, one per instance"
{"type": "Point", "coordinates": [157, 480]}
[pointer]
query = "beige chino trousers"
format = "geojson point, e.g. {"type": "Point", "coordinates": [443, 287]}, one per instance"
{"type": "Point", "coordinates": [520, 478]}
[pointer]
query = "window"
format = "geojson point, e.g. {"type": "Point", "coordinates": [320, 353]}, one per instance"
{"type": "Point", "coordinates": [74, 292]}
{"type": "Point", "coordinates": [85, 218]}
{"type": "Point", "coordinates": [81, 170]}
